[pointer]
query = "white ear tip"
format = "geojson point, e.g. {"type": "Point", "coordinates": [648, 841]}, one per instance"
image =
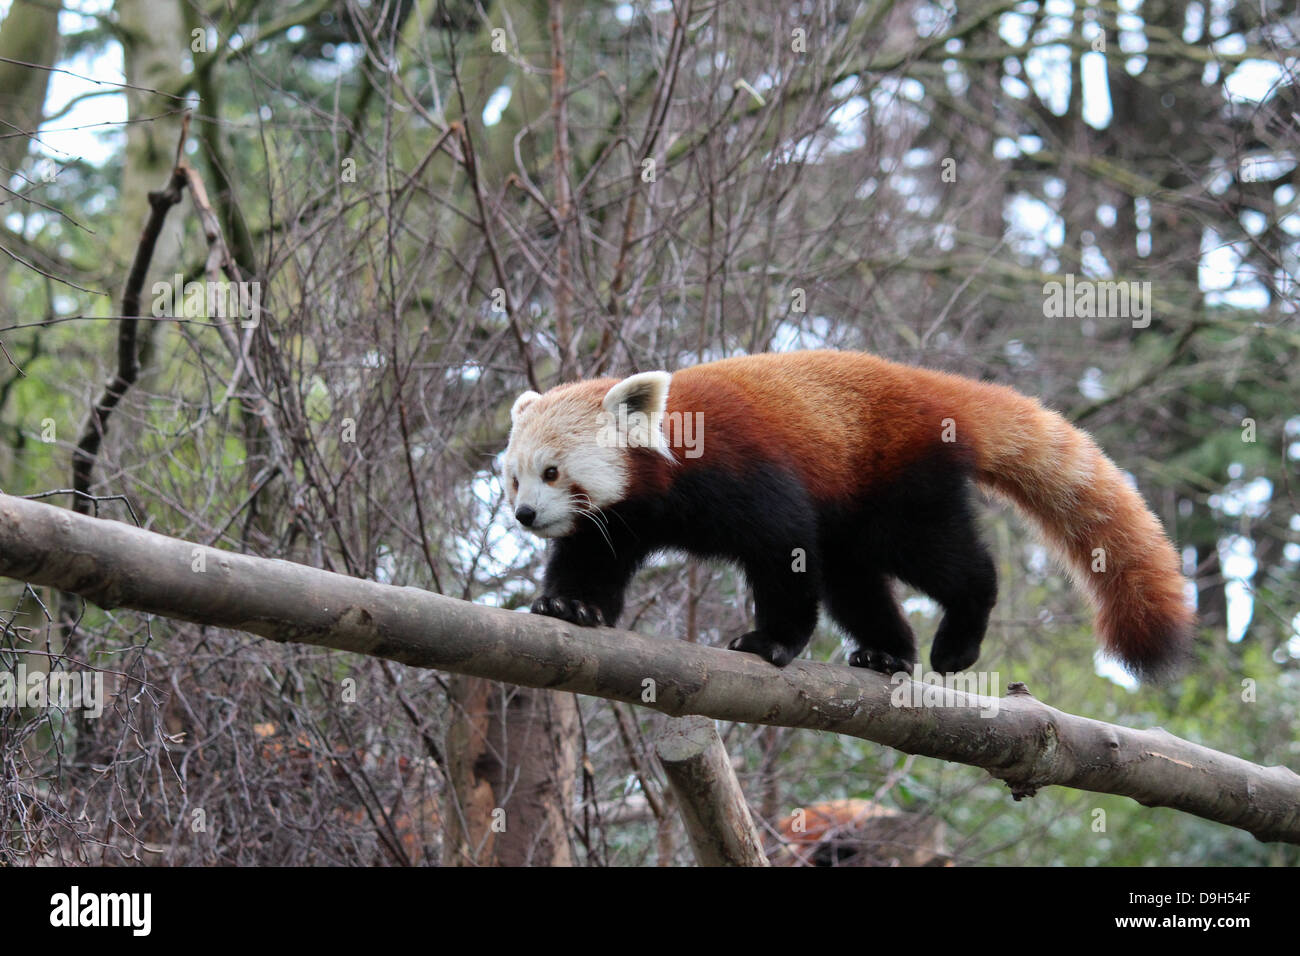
{"type": "Point", "coordinates": [647, 391]}
{"type": "Point", "coordinates": [521, 403]}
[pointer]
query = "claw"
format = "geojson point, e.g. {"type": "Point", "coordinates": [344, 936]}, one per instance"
{"type": "Point", "coordinates": [569, 609]}
{"type": "Point", "coordinates": [755, 642]}
{"type": "Point", "coordinates": [879, 661]}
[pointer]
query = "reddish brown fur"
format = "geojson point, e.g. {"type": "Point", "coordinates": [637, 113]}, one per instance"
{"type": "Point", "coordinates": [845, 422]}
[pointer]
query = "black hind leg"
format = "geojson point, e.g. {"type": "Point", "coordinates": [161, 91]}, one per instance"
{"type": "Point", "coordinates": [942, 556]}
{"type": "Point", "coordinates": [860, 601]}
{"type": "Point", "coordinates": [966, 618]}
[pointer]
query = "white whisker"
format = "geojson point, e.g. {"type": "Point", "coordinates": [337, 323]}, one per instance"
{"type": "Point", "coordinates": [584, 506]}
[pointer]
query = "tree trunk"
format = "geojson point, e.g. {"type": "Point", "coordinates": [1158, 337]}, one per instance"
{"type": "Point", "coordinates": [154, 35]}
{"type": "Point", "coordinates": [30, 33]}
{"type": "Point", "coordinates": [512, 759]}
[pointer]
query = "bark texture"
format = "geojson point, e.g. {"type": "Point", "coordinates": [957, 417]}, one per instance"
{"type": "Point", "coordinates": [717, 819]}
{"type": "Point", "coordinates": [511, 760]}
{"type": "Point", "coordinates": [1024, 742]}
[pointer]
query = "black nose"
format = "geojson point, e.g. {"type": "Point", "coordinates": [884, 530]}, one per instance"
{"type": "Point", "coordinates": [526, 516]}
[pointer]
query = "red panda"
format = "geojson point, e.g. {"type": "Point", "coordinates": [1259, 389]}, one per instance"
{"type": "Point", "coordinates": [825, 475]}
{"type": "Point", "coordinates": [858, 832]}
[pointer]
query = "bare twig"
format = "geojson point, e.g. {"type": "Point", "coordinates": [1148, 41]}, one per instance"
{"type": "Point", "coordinates": [128, 367]}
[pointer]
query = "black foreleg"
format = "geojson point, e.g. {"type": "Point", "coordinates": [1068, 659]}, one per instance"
{"type": "Point", "coordinates": [586, 579]}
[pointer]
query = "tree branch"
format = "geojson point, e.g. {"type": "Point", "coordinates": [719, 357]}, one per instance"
{"type": "Point", "coordinates": [717, 819]}
{"type": "Point", "coordinates": [1021, 740]}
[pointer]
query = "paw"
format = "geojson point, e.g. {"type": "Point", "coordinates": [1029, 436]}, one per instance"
{"type": "Point", "coordinates": [756, 642]}
{"type": "Point", "coordinates": [950, 660]}
{"type": "Point", "coordinates": [881, 661]}
{"type": "Point", "coordinates": [569, 609]}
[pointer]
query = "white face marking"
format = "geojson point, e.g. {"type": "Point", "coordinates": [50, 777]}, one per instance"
{"type": "Point", "coordinates": [560, 430]}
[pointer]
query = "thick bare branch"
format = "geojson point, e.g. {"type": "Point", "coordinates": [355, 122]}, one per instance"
{"type": "Point", "coordinates": [1016, 738]}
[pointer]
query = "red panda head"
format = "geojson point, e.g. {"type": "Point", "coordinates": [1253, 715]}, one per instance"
{"type": "Point", "coordinates": [569, 448]}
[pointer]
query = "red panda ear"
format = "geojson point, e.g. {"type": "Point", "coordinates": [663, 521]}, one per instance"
{"type": "Point", "coordinates": [645, 392]}
{"type": "Point", "coordinates": [522, 402]}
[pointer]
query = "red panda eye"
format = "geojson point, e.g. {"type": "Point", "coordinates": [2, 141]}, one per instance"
{"type": "Point", "coordinates": [550, 474]}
